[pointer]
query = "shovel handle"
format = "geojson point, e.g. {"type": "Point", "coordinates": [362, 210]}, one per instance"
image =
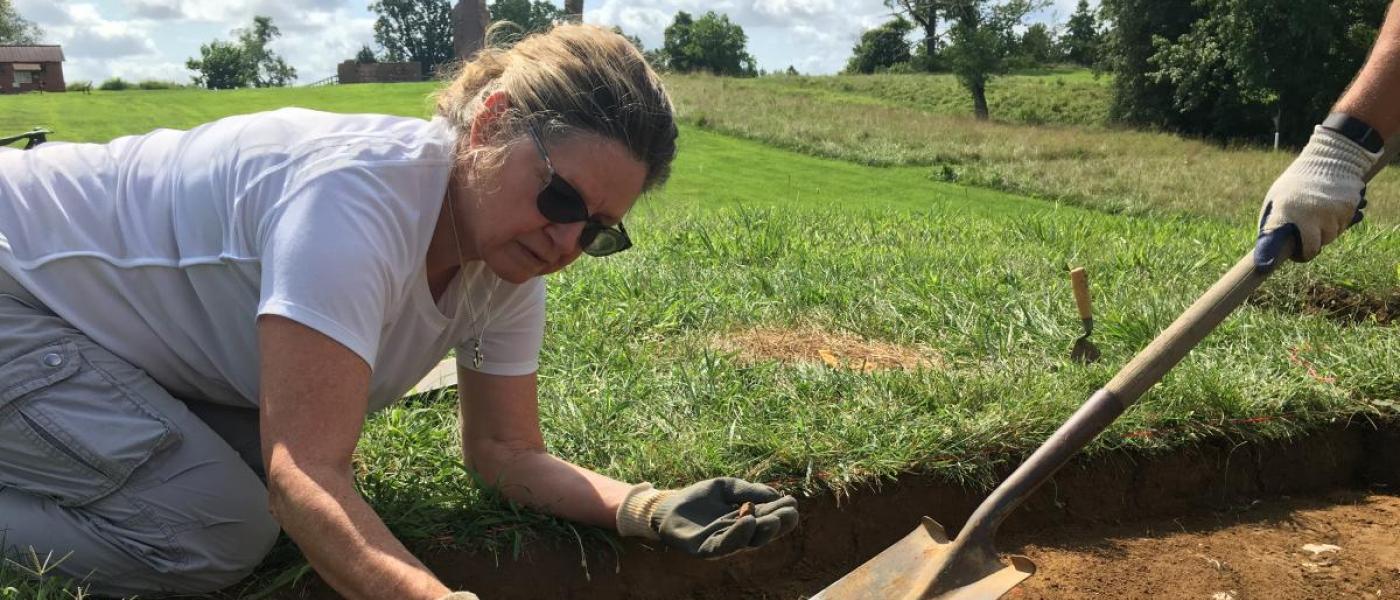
{"type": "Point", "coordinates": [1079, 280]}
{"type": "Point", "coordinates": [1135, 378]}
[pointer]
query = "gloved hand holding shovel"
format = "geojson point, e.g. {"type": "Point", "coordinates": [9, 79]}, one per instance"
{"type": "Point", "coordinates": [1320, 195]}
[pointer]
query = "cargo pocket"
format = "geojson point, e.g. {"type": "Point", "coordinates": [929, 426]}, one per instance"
{"type": "Point", "coordinates": [69, 430]}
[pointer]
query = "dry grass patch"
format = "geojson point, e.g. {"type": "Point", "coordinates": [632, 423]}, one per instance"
{"type": "Point", "coordinates": [835, 350]}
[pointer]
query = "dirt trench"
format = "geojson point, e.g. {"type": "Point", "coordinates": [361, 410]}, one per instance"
{"type": "Point", "coordinates": [1219, 522]}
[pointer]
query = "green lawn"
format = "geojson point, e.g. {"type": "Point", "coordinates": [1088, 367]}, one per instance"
{"type": "Point", "coordinates": [636, 383]}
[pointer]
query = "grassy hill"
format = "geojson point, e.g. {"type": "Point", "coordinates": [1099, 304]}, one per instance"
{"type": "Point", "coordinates": [1064, 97]}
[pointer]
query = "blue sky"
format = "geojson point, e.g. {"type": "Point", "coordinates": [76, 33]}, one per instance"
{"type": "Point", "coordinates": [141, 39]}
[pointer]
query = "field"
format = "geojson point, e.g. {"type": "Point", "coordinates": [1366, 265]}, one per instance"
{"type": "Point", "coordinates": [842, 287]}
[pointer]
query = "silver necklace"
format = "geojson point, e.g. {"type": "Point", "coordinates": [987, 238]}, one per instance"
{"type": "Point", "coordinates": [477, 356]}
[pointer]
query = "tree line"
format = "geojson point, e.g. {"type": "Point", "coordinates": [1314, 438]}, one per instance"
{"type": "Point", "coordinates": [1226, 69]}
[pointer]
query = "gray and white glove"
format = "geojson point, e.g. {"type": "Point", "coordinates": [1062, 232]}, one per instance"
{"type": "Point", "coordinates": [460, 596]}
{"type": "Point", "coordinates": [710, 519]}
{"type": "Point", "coordinates": [1318, 197]}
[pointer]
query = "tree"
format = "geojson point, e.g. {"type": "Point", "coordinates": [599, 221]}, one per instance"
{"type": "Point", "coordinates": [634, 40]}
{"type": "Point", "coordinates": [414, 30]}
{"type": "Point", "coordinates": [1139, 97]}
{"type": "Point", "coordinates": [1082, 37]}
{"type": "Point", "coordinates": [248, 62]}
{"type": "Point", "coordinates": [1248, 63]}
{"type": "Point", "coordinates": [983, 37]}
{"type": "Point", "coordinates": [711, 43]}
{"type": "Point", "coordinates": [925, 14]}
{"type": "Point", "coordinates": [14, 28]}
{"type": "Point", "coordinates": [1037, 46]}
{"type": "Point", "coordinates": [366, 55]}
{"type": "Point", "coordinates": [267, 68]}
{"type": "Point", "coordinates": [530, 16]}
{"type": "Point", "coordinates": [881, 47]}
{"type": "Point", "coordinates": [676, 42]}
{"type": "Point", "coordinates": [222, 66]}
{"type": "Point", "coordinates": [573, 10]}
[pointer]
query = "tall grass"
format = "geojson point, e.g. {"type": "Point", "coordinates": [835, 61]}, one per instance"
{"type": "Point", "coordinates": [1057, 97]}
{"type": "Point", "coordinates": [1108, 169]}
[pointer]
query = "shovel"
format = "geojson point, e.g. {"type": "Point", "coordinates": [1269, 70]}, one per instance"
{"type": "Point", "coordinates": [927, 565]}
{"type": "Point", "coordinates": [1084, 351]}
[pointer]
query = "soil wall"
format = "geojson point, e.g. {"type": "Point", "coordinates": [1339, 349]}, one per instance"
{"type": "Point", "coordinates": [837, 536]}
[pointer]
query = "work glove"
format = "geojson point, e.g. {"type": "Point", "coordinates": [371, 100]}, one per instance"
{"type": "Point", "coordinates": [1315, 199]}
{"type": "Point", "coordinates": [704, 519]}
{"type": "Point", "coordinates": [460, 596]}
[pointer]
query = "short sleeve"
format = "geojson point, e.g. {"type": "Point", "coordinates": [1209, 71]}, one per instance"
{"type": "Point", "coordinates": [511, 342]}
{"type": "Point", "coordinates": [331, 254]}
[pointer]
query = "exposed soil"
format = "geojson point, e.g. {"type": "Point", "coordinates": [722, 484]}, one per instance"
{"type": "Point", "coordinates": [835, 350]}
{"type": "Point", "coordinates": [1339, 304]}
{"type": "Point", "coordinates": [1219, 522]}
{"type": "Point", "coordinates": [1339, 545]}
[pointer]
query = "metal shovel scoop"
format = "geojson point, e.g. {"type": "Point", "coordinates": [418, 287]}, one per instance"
{"type": "Point", "coordinates": [1084, 350]}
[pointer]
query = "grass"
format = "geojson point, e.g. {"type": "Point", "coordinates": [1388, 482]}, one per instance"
{"type": "Point", "coordinates": [633, 383]}
{"type": "Point", "coordinates": [1062, 96]}
{"type": "Point", "coordinates": [103, 115]}
{"type": "Point", "coordinates": [1113, 170]}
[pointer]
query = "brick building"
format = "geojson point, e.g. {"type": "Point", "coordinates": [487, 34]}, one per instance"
{"type": "Point", "coordinates": [31, 69]}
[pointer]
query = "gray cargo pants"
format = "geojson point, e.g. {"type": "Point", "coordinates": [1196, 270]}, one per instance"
{"type": "Point", "coordinates": [98, 462]}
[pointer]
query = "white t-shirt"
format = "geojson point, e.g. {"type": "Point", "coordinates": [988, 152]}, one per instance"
{"type": "Point", "coordinates": [165, 248]}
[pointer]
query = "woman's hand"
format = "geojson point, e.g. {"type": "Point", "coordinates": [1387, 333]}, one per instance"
{"type": "Point", "coordinates": [710, 519]}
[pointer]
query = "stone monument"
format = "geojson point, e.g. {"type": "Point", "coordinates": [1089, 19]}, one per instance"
{"type": "Point", "coordinates": [469, 21]}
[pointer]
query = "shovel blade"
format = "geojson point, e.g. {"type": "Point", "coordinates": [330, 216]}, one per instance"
{"type": "Point", "coordinates": [925, 565]}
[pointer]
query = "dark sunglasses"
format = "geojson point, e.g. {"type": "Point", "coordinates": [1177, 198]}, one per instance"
{"type": "Point", "coordinates": [561, 203]}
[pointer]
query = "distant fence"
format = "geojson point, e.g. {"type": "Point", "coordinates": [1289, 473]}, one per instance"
{"type": "Point", "coordinates": [353, 72]}
{"type": "Point", "coordinates": [332, 80]}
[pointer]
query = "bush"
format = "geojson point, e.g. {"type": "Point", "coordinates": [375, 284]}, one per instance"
{"type": "Point", "coordinates": [899, 68]}
{"type": "Point", "coordinates": [115, 84]}
{"type": "Point", "coordinates": [156, 84]}
{"type": "Point", "coordinates": [80, 86]}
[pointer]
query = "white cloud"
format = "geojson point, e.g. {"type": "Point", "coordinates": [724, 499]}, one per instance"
{"type": "Point", "coordinates": [84, 33]}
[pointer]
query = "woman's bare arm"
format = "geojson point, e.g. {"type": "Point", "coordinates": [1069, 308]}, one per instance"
{"type": "Point", "coordinates": [314, 399]}
{"type": "Point", "coordinates": [501, 441]}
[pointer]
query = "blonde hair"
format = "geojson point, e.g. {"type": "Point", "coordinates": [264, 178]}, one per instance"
{"type": "Point", "coordinates": [572, 80]}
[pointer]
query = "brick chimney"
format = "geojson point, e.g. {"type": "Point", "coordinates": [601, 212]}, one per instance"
{"type": "Point", "coordinates": [469, 21]}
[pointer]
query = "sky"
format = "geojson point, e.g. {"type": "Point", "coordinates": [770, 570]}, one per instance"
{"type": "Point", "coordinates": [151, 39]}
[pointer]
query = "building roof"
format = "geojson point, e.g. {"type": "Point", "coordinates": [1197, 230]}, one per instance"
{"type": "Point", "coordinates": [39, 54]}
